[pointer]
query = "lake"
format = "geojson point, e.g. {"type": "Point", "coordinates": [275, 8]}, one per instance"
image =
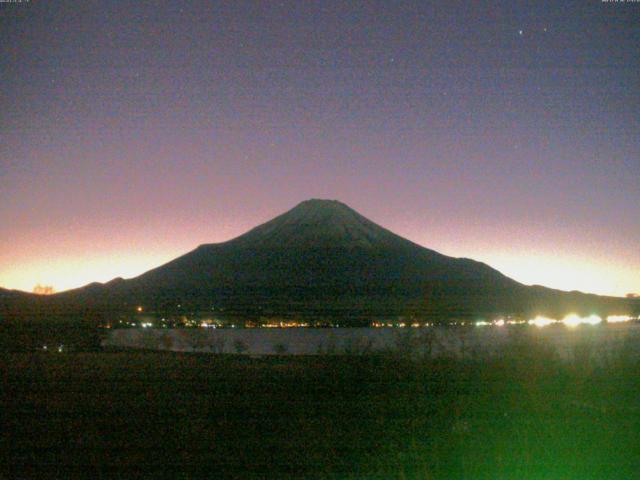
{"type": "Point", "coordinates": [433, 341]}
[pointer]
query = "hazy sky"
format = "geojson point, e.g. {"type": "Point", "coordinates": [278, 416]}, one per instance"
{"type": "Point", "coordinates": [509, 132]}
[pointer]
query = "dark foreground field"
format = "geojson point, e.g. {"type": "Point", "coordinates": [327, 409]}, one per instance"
{"type": "Point", "coordinates": [525, 416]}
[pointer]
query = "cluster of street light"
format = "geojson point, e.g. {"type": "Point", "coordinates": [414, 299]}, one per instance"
{"type": "Point", "coordinates": [571, 320]}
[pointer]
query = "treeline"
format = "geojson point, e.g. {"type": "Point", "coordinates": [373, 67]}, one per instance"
{"type": "Point", "coordinates": [52, 335]}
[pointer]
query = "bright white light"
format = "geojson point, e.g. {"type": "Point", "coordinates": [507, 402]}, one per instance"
{"type": "Point", "coordinates": [482, 323]}
{"type": "Point", "coordinates": [618, 318]}
{"type": "Point", "coordinates": [592, 320]}
{"type": "Point", "coordinates": [541, 321]}
{"type": "Point", "coordinates": [574, 320]}
{"type": "Point", "coordinates": [500, 323]}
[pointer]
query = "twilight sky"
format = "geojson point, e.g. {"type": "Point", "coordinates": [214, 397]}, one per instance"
{"type": "Point", "coordinates": [508, 132]}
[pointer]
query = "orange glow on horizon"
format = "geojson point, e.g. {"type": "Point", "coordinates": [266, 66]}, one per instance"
{"type": "Point", "coordinates": [68, 273]}
{"type": "Point", "coordinates": [537, 261]}
{"type": "Point", "coordinates": [563, 274]}
{"type": "Point", "coordinates": [588, 276]}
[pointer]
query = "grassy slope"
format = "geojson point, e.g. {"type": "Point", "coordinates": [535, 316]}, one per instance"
{"type": "Point", "coordinates": [350, 417]}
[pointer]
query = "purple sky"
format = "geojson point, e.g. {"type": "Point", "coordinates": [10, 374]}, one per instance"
{"type": "Point", "coordinates": [131, 132]}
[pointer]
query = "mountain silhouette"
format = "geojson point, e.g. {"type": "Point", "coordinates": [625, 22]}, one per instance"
{"type": "Point", "coordinates": [317, 244]}
{"type": "Point", "coordinates": [323, 260]}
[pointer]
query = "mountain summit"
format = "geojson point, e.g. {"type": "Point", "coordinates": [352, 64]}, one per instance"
{"type": "Point", "coordinates": [314, 223]}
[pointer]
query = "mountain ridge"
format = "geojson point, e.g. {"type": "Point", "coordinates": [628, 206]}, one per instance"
{"type": "Point", "coordinates": [323, 259]}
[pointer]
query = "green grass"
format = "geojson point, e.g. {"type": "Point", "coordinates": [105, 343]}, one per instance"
{"type": "Point", "coordinates": [524, 416]}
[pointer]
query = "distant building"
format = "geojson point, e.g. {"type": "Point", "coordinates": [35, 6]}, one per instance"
{"type": "Point", "coordinates": [43, 290]}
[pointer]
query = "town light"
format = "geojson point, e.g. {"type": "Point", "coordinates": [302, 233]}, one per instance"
{"type": "Point", "coordinates": [541, 321]}
{"type": "Point", "coordinates": [592, 320]}
{"type": "Point", "coordinates": [574, 320]}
